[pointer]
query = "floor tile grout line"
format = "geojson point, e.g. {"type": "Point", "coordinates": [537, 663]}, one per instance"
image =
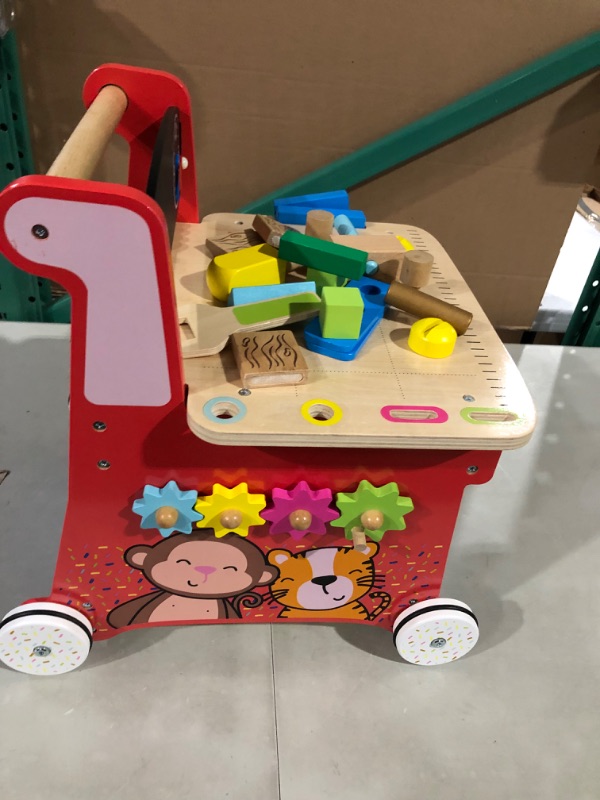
{"type": "Point", "coordinates": [275, 717]}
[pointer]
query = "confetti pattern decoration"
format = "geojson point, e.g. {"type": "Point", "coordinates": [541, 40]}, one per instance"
{"type": "Point", "coordinates": [385, 499]}
{"type": "Point", "coordinates": [170, 497]}
{"type": "Point", "coordinates": [438, 635]}
{"type": "Point", "coordinates": [286, 503]}
{"type": "Point", "coordinates": [231, 510]}
{"type": "Point", "coordinates": [42, 645]}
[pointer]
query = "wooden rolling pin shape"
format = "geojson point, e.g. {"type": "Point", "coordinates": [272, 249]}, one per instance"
{"type": "Point", "coordinates": [418, 304]}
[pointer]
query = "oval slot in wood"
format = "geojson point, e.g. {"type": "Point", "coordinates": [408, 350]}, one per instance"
{"type": "Point", "coordinates": [412, 415]}
{"type": "Point", "coordinates": [426, 414]}
{"type": "Point", "coordinates": [492, 416]}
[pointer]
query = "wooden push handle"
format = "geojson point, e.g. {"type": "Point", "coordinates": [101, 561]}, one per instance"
{"type": "Point", "coordinates": [84, 147]}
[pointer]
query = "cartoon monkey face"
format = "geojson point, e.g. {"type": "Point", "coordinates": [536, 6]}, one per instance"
{"type": "Point", "coordinates": [199, 565]}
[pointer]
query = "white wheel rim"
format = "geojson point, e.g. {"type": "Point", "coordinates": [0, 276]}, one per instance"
{"type": "Point", "coordinates": [40, 643]}
{"type": "Point", "coordinates": [435, 632]}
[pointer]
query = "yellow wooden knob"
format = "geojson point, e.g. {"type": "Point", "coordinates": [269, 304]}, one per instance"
{"type": "Point", "coordinates": [372, 519]}
{"type": "Point", "coordinates": [300, 520]}
{"type": "Point", "coordinates": [166, 517]}
{"type": "Point", "coordinates": [432, 337]}
{"type": "Point", "coordinates": [231, 518]}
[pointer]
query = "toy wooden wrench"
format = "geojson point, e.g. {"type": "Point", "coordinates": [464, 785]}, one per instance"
{"type": "Point", "coordinates": [206, 329]}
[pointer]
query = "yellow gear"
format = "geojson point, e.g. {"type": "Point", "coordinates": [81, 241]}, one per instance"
{"type": "Point", "coordinates": [231, 510]}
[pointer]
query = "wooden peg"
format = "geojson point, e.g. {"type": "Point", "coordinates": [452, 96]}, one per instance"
{"type": "Point", "coordinates": [359, 539]}
{"type": "Point", "coordinates": [230, 518]}
{"type": "Point", "coordinates": [421, 305]}
{"type": "Point", "coordinates": [300, 520]}
{"type": "Point", "coordinates": [166, 517]}
{"type": "Point", "coordinates": [319, 224]}
{"type": "Point", "coordinates": [416, 268]}
{"type": "Point", "coordinates": [372, 519]}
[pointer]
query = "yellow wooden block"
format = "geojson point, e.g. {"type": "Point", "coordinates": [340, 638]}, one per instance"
{"type": "Point", "coordinates": [252, 266]}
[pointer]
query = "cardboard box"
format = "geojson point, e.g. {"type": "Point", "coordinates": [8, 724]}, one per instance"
{"type": "Point", "coordinates": [280, 89]}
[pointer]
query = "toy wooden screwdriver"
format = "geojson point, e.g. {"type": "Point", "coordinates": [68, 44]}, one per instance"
{"type": "Point", "coordinates": [418, 304]}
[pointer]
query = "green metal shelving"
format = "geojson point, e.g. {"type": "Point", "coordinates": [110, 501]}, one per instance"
{"type": "Point", "coordinates": [584, 327]}
{"type": "Point", "coordinates": [23, 297]}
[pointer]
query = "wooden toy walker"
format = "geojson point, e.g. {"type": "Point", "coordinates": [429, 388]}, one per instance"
{"type": "Point", "coordinates": [195, 500]}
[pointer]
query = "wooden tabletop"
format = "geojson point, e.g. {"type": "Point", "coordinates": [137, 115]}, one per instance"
{"type": "Point", "coordinates": [388, 397]}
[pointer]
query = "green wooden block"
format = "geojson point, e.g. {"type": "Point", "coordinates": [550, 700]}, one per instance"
{"type": "Point", "coordinates": [324, 279]}
{"type": "Point", "coordinates": [341, 312]}
{"type": "Point", "coordinates": [336, 259]}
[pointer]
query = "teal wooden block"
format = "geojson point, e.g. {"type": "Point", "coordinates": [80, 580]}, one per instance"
{"type": "Point", "coordinates": [254, 294]}
{"type": "Point", "coordinates": [341, 312]}
{"type": "Point", "coordinates": [336, 259]}
{"type": "Point", "coordinates": [343, 225]}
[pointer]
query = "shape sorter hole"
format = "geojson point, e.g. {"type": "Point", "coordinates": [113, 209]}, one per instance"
{"type": "Point", "coordinates": [224, 410]}
{"type": "Point", "coordinates": [321, 412]}
{"type": "Point", "coordinates": [186, 329]}
{"type": "Point", "coordinates": [491, 416]}
{"type": "Point", "coordinates": [370, 290]}
{"type": "Point", "coordinates": [413, 414]}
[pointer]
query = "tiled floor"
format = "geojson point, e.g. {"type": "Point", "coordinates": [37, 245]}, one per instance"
{"type": "Point", "coordinates": [299, 712]}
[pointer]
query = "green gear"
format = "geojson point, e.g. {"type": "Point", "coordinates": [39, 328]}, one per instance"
{"type": "Point", "coordinates": [367, 497]}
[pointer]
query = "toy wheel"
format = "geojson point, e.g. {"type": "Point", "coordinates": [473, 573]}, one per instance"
{"type": "Point", "coordinates": [435, 632]}
{"type": "Point", "coordinates": [44, 639]}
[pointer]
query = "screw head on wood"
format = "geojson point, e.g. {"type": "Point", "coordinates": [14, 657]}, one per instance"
{"type": "Point", "coordinates": [472, 470]}
{"type": "Point", "coordinates": [99, 426]}
{"type": "Point", "coordinates": [103, 464]}
{"type": "Point", "coordinates": [40, 232]}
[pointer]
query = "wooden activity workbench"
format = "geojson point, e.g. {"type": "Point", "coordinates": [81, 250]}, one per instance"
{"type": "Point", "coordinates": [193, 500]}
{"type": "Point", "coordinates": [387, 397]}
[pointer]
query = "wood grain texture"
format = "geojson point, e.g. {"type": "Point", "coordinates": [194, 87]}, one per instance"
{"type": "Point", "coordinates": [231, 241]}
{"type": "Point", "coordinates": [268, 358]}
{"type": "Point", "coordinates": [386, 373]}
{"type": "Point", "coordinates": [269, 230]}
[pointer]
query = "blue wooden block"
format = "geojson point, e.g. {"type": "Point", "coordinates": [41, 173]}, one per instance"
{"type": "Point", "coordinates": [343, 225]}
{"type": "Point", "coordinates": [338, 199]}
{"type": "Point", "coordinates": [296, 215]}
{"type": "Point", "coordinates": [373, 293]}
{"type": "Point", "coordinates": [253, 294]}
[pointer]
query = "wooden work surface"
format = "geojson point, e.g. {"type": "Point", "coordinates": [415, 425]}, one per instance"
{"type": "Point", "coordinates": [385, 374]}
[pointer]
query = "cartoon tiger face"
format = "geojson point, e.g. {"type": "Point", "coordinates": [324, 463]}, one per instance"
{"type": "Point", "coordinates": [324, 578]}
